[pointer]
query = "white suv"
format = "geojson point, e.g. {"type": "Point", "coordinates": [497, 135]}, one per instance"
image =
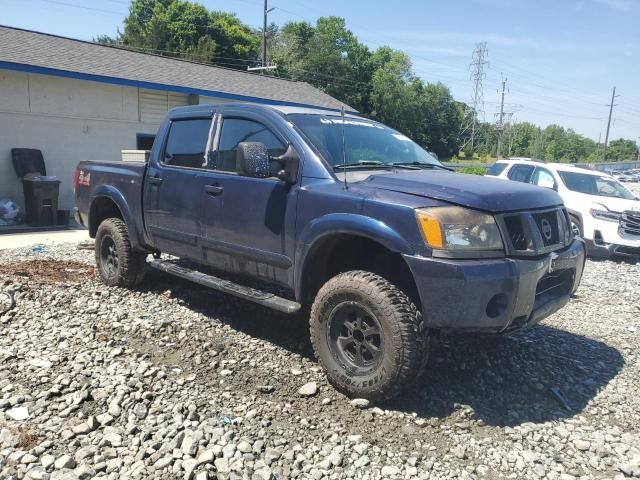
{"type": "Point", "coordinates": [602, 210]}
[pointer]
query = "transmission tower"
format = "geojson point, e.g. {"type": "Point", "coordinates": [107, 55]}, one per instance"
{"type": "Point", "coordinates": [475, 108]}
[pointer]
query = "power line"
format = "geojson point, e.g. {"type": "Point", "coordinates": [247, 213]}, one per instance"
{"type": "Point", "coordinates": [82, 7]}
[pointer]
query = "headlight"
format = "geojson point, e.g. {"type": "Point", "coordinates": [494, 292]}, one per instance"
{"type": "Point", "coordinates": [458, 230]}
{"type": "Point", "coordinates": [605, 215]}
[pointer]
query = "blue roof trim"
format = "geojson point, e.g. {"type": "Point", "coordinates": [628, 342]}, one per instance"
{"type": "Point", "coordinates": [21, 67]}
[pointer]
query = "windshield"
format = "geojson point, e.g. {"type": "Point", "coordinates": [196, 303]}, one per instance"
{"type": "Point", "coordinates": [594, 185]}
{"type": "Point", "coordinates": [365, 142]}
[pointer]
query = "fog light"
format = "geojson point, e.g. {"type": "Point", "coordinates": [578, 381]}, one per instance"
{"type": "Point", "coordinates": [497, 305]}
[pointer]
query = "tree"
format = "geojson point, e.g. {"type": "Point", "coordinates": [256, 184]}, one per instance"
{"type": "Point", "coordinates": [326, 55]}
{"type": "Point", "coordinates": [179, 28]}
{"type": "Point", "coordinates": [621, 150]}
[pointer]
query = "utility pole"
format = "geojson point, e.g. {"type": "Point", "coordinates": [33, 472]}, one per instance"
{"type": "Point", "coordinates": [264, 33]}
{"type": "Point", "coordinates": [509, 131]}
{"type": "Point", "coordinates": [500, 124]}
{"type": "Point", "coordinates": [606, 137]}
{"type": "Point", "coordinates": [476, 109]}
{"type": "Point", "coordinates": [263, 68]}
{"type": "Point", "coordinates": [638, 146]}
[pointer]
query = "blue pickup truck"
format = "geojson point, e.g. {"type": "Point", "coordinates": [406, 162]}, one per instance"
{"type": "Point", "coordinates": [301, 209]}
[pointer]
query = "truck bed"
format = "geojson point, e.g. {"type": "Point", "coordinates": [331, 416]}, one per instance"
{"type": "Point", "coordinates": [108, 177]}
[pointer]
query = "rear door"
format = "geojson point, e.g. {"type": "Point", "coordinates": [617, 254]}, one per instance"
{"type": "Point", "coordinates": [246, 221]}
{"type": "Point", "coordinates": [174, 187]}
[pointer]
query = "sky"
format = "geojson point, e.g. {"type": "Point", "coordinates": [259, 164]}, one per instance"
{"type": "Point", "coordinates": [561, 58]}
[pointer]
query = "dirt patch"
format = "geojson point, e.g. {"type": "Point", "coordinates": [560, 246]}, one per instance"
{"type": "Point", "coordinates": [50, 270]}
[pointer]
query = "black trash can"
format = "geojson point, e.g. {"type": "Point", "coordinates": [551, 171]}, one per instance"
{"type": "Point", "coordinates": [63, 217]}
{"type": "Point", "coordinates": [40, 191]}
{"type": "Point", "coordinates": [41, 201]}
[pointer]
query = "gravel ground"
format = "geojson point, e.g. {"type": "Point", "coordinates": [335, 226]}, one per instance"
{"type": "Point", "coordinates": [176, 381]}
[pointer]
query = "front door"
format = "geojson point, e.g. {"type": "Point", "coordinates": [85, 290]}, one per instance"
{"type": "Point", "coordinates": [247, 220]}
{"type": "Point", "coordinates": [173, 188]}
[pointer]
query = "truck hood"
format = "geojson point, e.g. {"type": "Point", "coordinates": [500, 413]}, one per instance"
{"type": "Point", "coordinates": [473, 191]}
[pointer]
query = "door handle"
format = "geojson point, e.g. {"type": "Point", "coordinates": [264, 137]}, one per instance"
{"type": "Point", "coordinates": [155, 180]}
{"type": "Point", "coordinates": [213, 190]}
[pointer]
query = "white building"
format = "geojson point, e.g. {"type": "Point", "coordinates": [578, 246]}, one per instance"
{"type": "Point", "coordinates": [77, 100]}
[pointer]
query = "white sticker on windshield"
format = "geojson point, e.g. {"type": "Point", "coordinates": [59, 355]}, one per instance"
{"type": "Point", "coordinates": [338, 121]}
{"type": "Point", "coordinates": [401, 137]}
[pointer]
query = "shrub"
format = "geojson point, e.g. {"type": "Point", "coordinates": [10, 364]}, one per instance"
{"type": "Point", "coordinates": [473, 170]}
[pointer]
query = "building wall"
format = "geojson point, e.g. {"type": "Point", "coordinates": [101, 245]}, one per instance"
{"type": "Point", "coordinates": [71, 120]}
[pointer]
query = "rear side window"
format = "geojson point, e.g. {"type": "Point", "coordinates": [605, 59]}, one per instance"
{"type": "Point", "coordinates": [187, 142]}
{"type": "Point", "coordinates": [520, 173]}
{"type": "Point", "coordinates": [496, 169]}
{"type": "Point", "coordinates": [237, 130]}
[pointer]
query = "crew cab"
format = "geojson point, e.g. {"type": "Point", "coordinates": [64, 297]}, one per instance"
{"type": "Point", "coordinates": [302, 209]}
{"type": "Point", "coordinates": [602, 210]}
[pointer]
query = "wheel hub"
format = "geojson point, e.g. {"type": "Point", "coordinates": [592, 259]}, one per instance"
{"type": "Point", "coordinates": [108, 256]}
{"type": "Point", "coordinates": [355, 337]}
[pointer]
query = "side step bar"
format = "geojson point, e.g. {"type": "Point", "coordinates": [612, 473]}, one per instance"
{"type": "Point", "coordinates": [258, 296]}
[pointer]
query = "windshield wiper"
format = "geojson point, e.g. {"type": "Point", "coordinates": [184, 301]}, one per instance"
{"type": "Point", "coordinates": [363, 163]}
{"type": "Point", "coordinates": [421, 165]}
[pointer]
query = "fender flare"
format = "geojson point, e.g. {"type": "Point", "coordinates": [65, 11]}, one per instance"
{"type": "Point", "coordinates": [113, 194]}
{"type": "Point", "coordinates": [575, 213]}
{"type": "Point", "coordinates": [344, 224]}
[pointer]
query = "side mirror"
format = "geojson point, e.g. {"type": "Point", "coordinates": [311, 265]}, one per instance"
{"type": "Point", "coordinates": [252, 160]}
{"type": "Point", "coordinates": [286, 165]}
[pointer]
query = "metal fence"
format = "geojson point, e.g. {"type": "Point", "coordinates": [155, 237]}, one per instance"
{"type": "Point", "coordinates": [606, 167]}
{"type": "Point", "coordinates": [609, 167]}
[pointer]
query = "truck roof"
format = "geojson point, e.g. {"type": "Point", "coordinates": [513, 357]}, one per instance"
{"type": "Point", "coordinates": [284, 109]}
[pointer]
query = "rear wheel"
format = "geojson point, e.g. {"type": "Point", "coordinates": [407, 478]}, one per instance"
{"type": "Point", "coordinates": [368, 336]}
{"type": "Point", "coordinates": [118, 263]}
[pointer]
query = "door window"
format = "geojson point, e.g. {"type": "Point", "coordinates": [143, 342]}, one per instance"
{"type": "Point", "coordinates": [237, 130]}
{"type": "Point", "coordinates": [543, 178]}
{"type": "Point", "coordinates": [520, 173]}
{"type": "Point", "coordinates": [187, 142]}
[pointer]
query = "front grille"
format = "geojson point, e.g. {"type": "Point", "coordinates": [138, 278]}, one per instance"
{"type": "Point", "coordinates": [536, 232]}
{"type": "Point", "coordinates": [516, 232]}
{"type": "Point", "coordinates": [630, 223]}
{"type": "Point", "coordinates": [547, 224]}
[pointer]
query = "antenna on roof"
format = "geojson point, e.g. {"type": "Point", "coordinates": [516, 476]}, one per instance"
{"type": "Point", "coordinates": [344, 150]}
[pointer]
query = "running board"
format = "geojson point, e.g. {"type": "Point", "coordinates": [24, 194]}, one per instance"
{"type": "Point", "coordinates": [258, 296]}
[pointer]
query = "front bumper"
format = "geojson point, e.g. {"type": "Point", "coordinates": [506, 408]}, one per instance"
{"type": "Point", "coordinates": [608, 240]}
{"type": "Point", "coordinates": [599, 249]}
{"type": "Point", "coordinates": [496, 295]}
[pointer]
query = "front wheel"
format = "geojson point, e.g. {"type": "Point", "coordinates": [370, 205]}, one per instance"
{"type": "Point", "coordinates": [368, 336]}
{"type": "Point", "coordinates": [118, 263]}
{"type": "Point", "coordinates": [576, 226]}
